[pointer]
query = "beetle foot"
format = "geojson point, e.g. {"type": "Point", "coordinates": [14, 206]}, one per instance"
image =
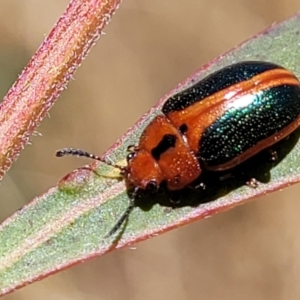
{"type": "Point", "coordinates": [252, 182]}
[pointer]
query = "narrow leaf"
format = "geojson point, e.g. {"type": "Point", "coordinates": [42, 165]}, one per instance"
{"type": "Point", "coordinates": [69, 223]}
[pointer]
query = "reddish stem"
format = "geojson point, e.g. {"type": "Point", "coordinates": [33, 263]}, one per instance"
{"type": "Point", "coordinates": [48, 73]}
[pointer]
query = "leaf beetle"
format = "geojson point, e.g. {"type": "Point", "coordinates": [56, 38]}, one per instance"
{"type": "Point", "coordinates": [214, 125]}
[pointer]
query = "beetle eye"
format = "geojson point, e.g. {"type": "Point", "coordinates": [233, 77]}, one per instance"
{"type": "Point", "coordinates": [130, 156]}
{"type": "Point", "coordinates": [152, 186]}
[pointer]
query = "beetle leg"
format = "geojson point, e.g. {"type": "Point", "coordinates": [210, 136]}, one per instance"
{"type": "Point", "coordinates": [252, 182]}
{"type": "Point", "coordinates": [273, 156]}
{"type": "Point", "coordinates": [201, 186]}
{"type": "Point", "coordinates": [174, 198]}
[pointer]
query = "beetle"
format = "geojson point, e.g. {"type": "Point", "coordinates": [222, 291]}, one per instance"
{"type": "Point", "coordinates": [214, 125]}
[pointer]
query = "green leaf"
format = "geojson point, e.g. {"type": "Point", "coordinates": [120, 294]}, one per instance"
{"type": "Point", "coordinates": [69, 223]}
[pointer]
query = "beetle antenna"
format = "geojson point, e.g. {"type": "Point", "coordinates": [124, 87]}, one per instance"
{"type": "Point", "coordinates": [78, 152]}
{"type": "Point", "coordinates": [122, 219]}
{"type": "Point", "coordinates": [125, 215]}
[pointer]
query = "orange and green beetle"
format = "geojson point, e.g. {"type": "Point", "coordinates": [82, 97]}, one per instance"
{"type": "Point", "coordinates": [213, 125]}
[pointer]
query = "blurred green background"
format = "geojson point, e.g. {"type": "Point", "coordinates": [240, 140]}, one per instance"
{"type": "Point", "coordinates": [247, 253]}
